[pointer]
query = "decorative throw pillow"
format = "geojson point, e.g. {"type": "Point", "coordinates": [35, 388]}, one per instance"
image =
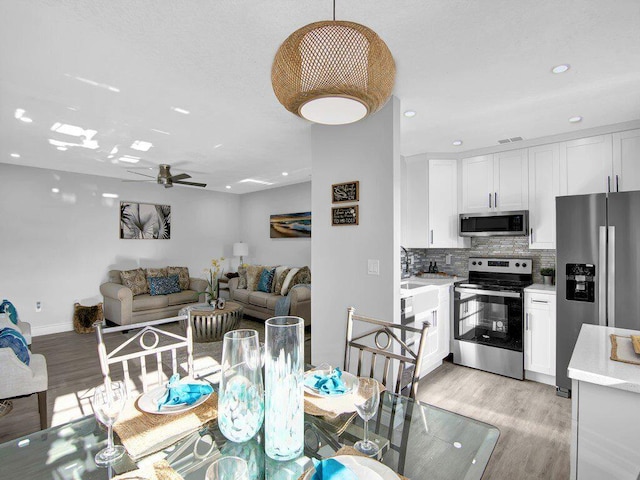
{"type": "Point", "coordinates": [7, 307]}
{"type": "Point", "coordinates": [85, 317]}
{"type": "Point", "coordinates": [11, 338]}
{"type": "Point", "coordinates": [280, 280]}
{"type": "Point", "coordinates": [302, 277]}
{"type": "Point", "coordinates": [155, 272]}
{"type": "Point", "coordinates": [242, 273]}
{"type": "Point", "coordinates": [276, 275]}
{"type": "Point", "coordinates": [136, 280]}
{"type": "Point", "coordinates": [266, 280]}
{"type": "Point", "coordinates": [183, 275]}
{"type": "Point", "coordinates": [253, 276]}
{"type": "Point", "coordinates": [287, 281]}
{"type": "Point", "coordinates": [231, 275]}
{"type": "Point", "coordinates": [164, 285]}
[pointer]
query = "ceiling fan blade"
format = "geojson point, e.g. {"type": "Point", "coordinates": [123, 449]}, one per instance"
{"type": "Point", "coordinates": [192, 184]}
{"type": "Point", "coordinates": [180, 176]}
{"type": "Point", "coordinates": [140, 181]}
{"type": "Point", "coordinates": [138, 173]}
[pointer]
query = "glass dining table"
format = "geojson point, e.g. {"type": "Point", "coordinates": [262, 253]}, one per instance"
{"type": "Point", "coordinates": [417, 440]}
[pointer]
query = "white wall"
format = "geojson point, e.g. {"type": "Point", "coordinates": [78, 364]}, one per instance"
{"type": "Point", "coordinates": [367, 151]}
{"type": "Point", "coordinates": [57, 247]}
{"type": "Point", "coordinates": [255, 209]}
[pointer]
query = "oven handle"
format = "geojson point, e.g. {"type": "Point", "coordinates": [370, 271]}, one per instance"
{"type": "Point", "coordinates": [493, 293]}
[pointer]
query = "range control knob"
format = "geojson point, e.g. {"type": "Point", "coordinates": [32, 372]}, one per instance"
{"type": "Point", "coordinates": [517, 264]}
{"type": "Point", "coordinates": [473, 263]}
{"type": "Point", "coordinates": [524, 264]}
{"type": "Point", "coordinates": [479, 263]}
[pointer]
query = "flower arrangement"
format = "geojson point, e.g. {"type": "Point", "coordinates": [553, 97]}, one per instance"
{"type": "Point", "coordinates": [212, 275]}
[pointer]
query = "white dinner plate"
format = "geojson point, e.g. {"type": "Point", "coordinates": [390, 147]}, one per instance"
{"type": "Point", "coordinates": [364, 468]}
{"type": "Point", "coordinates": [148, 402]}
{"type": "Point", "coordinates": [350, 382]}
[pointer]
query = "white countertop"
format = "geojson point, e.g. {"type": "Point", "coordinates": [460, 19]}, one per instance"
{"type": "Point", "coordinates": [591, 361]}
{"type": "Point", "coordinates": [428, 284]}
{"type": "Point", "coordinates": [541, 288]}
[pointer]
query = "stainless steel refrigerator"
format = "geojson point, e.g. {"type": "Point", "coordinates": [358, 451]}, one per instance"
{"type": "Point", "coordinates": [598, 268]}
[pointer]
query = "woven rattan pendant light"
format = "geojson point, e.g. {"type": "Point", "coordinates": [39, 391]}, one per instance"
{"type": "Point", "coordinates": [333, 72]}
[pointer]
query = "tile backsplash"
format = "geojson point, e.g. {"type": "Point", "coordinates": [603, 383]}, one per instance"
{"type": "Point", "coordinates": [480, 247]}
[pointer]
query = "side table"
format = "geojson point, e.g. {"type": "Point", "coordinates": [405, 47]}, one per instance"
{"type": "Point", "coordinates": [209, 324]}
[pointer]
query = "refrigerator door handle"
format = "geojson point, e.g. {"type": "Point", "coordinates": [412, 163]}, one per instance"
{"type": "Point", "coordinates": [611, 277]}
{"type": "Point", "coordinates": [602, 276]}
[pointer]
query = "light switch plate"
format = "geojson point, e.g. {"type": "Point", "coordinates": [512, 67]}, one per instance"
{"type": "Point", "coordinates": [373, 267]}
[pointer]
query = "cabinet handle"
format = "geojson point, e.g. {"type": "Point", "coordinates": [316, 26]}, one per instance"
{"type": "Point", "coordinates": [538, 301]}
{"type": "Point", "coordinates": [495, 198]}
{"type": "Point", "coordinates": [617, 184]}
{"type": "Point", "coordinates": [435, 318]}
{"type": "Point", "coordinates": [526, 323]}
{"type": "Point", "coordinates": [489, 200]}
{"type": "Point", "coordinates": [532, 235]}
{"type": "Point", "coordinates": [609, 184]}
{"type": "Point", "coordinates": [431, 237]}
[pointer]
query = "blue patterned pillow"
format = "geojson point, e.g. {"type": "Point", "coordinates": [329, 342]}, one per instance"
{"type": "Point", "coordinates": [7, 307]}
{"type": "Point", "coordinates": [10, 338]}
{"type": "Point", "coordinates": [164, 285]}
{"type": "Point", "coordinates": [266, 279]}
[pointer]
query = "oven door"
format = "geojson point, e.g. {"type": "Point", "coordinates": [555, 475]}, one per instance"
{"type": "Point", "coordinates": [487, 317]}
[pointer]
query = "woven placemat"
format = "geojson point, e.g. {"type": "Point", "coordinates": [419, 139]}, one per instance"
{"type": "Point", "coordinates": [347, 450]}
{"type": "Point", "coordinates": [622, 350]}
{"type": "Point", "coordinates": [158, 471]}
{"type": "Point", "coordinates": [144, 433]}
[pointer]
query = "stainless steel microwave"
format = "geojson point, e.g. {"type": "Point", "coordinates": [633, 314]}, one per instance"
{"type": "Point", "coordinates": [491, 224]}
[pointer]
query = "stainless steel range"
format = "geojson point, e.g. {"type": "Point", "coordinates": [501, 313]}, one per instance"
{"type": "Point", "coordinates": [489, 315]}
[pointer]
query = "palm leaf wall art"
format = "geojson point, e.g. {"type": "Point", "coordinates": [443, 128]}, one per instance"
{"type": "Point", "coordinates": [145, 221]}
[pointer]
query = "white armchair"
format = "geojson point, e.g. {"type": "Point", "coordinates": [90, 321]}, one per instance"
{"type": "Point", "coordinates": [23, 327]}
{"type": "Point", "coordinates": [20, 380]}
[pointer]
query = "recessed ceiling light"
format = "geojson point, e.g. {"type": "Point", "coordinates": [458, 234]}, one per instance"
{"type": "Point", "coordinates": [284, 174]}
{"type": "Point", "coordinates": [218, 145]}
{"type": "Point", "coordinates": [55, 190]}
{"type": "Point", "coordinates": [561, 68]}
{"type": "Point", "coordinates": [457, 143]}
{"type": "Point", "coordinates": [62, 149]}
{"type": "Point", "coordinates": [15, 155]}
{"type": "Point", "coordinates": [180, 110]}
{"type": "Point", "coordinates": [251, 180]}
{"type": "Point", "coordinates": [110, 195]}
{"type": "Point", "coordinates": [410, 113]}
{"type": "Point", "coordinates": [160, 131]}
{"type": "Point", "coordinates": [575, 119]}
{"type": "Point", "coordinates": [228, 187]}
{"type": "Point", "coordinates": [141, 145]}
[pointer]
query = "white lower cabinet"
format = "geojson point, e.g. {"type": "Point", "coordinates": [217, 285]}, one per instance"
{"type": "Point", "coordinates": [540, 337]}
{"type": "Point", "coordinates": [438, 334]}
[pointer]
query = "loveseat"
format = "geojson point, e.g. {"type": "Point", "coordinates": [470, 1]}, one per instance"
{"type": "Point", "coordinates": [262, 304]}
{"type": "Point", "coordinates": [121, 306]}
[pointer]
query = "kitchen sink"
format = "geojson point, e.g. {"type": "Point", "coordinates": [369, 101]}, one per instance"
{"type": "Point", "coordinates": [411, 285]}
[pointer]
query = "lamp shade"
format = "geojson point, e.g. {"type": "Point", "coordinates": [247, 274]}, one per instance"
{"type": "Point", "coordinates": [333, 72]}
{"type": "Point", "coordinates": [240, 249]}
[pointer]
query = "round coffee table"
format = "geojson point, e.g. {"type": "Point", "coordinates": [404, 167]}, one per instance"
{"type": "Point", "coordinates": [209, 324]}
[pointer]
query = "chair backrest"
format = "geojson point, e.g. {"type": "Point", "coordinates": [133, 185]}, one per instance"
{"type": "Point", "coordinates": [145, 340]}
{"type": "Point", "coordinates": [396, 343]}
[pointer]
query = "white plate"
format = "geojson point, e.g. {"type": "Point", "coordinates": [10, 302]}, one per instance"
{"type": "Point", "coordinates": [148, 402]}
{"type": "Point", "coordinates": [364, 468]}
{"type": "Point", "coordinates": [350, 382]}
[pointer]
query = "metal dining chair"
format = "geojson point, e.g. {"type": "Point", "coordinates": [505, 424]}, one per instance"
{"type": "Point", "coordinates": [146, 341]}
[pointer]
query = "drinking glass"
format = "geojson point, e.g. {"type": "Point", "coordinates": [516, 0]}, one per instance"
{"type": "Point", "coordinates": [228, 468]}
{"type": "Point", "coordinates": [367, 400]}
{"type": "Point", "coordinates": [108, 401]}
{"type": "Point", "coordinates": [241, 392]}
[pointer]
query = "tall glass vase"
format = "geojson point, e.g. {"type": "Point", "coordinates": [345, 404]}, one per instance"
{"type": "Point", "coordinates": [284, 375]}
{"type": "Point", "coordinates": [241, 392]}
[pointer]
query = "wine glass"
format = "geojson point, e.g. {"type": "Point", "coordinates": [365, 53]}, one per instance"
{"type": "Point", "coordinates": [367, 400]}
{"type": "Point", "coordinates": [228, 468]}
{"type": "Point", "coordinates": [108, 401]}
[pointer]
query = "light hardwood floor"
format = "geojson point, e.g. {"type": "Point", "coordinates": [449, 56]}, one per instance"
{"type": "Point", "coordinates": [534, 423]}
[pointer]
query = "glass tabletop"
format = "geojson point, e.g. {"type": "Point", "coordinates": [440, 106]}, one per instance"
{"type": "Point", "coordinates": [418, 440]}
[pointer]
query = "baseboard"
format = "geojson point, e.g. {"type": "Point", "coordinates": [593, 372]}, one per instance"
{"type": "Point", "coordinates": [37, 331]}
{"type": "Point", "coordinates": [540, 378]}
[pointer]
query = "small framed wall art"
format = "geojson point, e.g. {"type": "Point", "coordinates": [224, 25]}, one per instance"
{"type": "Point", "coordinates": [345, 192]}
{"type": "Point", "coordinates": [145, 221]}
{"type": "Point", "coordinates": [344, 215]}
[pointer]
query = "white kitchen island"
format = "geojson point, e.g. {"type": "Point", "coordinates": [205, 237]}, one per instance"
{"type": "Point", "coordinates": [605, 417]}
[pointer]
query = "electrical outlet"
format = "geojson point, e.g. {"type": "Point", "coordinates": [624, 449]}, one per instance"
{"type": "Point", "coordinates": [38, 306]}
{"type": "Point", "coordinates": [447, 259]}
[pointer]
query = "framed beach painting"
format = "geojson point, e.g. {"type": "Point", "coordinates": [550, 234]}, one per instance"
{"type": "Point", "coordinates": [290, 225]}
{"type": "Point", "coordinates": [145, 221]}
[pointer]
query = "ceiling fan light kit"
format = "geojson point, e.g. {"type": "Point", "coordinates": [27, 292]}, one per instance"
{"type": "Point", "coordinates": [333, 72]}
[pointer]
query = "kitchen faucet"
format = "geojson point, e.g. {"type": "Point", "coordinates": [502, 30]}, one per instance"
{"type": "Point", "coordinates": [406, 263]}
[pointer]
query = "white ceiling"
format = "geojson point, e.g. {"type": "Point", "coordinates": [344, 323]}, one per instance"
{"type": "Point", "coordinates": [473, 70]}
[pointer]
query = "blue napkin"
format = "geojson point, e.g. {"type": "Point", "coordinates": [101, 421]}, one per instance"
{"type": "Point", "coordinates": [180, 393]}
{"type": "Point", "coordinates": [330, 469]}
{"type": "Point", "coordinates": [327, 384]}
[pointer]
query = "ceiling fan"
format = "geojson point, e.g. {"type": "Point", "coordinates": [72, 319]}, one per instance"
{"type": "Point", "coordinates": [165, 178]}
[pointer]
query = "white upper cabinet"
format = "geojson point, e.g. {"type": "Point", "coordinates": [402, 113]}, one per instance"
{"type": "Point", "coordinates": [495, 182]}
{"type": "Point", "coordinates": [626, 161]}
{"type": "Point", "coordinates": [586, 165]}
{"type": "Point", "coordinates": [415, 227]}
{"type": "Point", "coordinates": [544, 187]}
{"type": "Point", "coordinates": [443, 204]}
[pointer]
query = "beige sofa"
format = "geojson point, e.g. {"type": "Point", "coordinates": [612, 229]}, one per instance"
{"type": "Point", "coordinates": [121, 307]}
{"type": "Point", "coordinates": [262, 305]}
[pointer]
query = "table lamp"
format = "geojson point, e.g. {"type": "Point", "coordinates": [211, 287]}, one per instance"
{"type": "Point", "coordinates": [240, 250]}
